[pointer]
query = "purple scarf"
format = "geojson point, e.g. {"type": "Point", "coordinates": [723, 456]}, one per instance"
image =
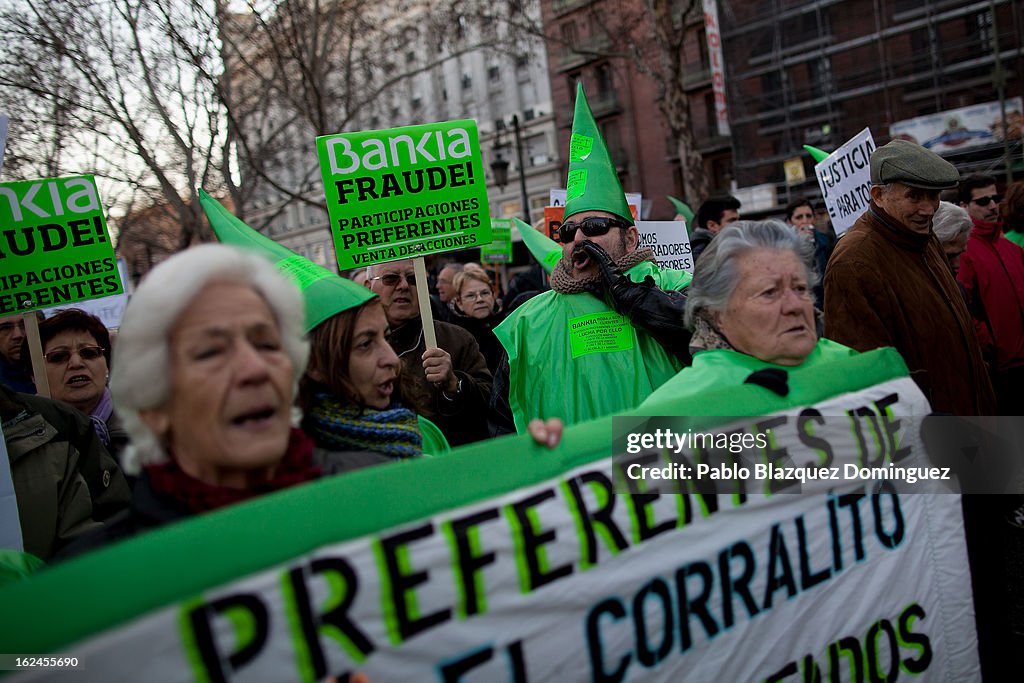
{"type": "Point", "coordinates": [100, 414]}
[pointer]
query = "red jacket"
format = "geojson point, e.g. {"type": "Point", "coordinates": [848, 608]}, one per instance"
{"type": "Point", "coordinates": [992, 272]}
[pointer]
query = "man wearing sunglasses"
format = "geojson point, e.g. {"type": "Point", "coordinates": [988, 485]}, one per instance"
{"type": "Point", "coordinates": [452, 379]}
{"type": "Point", "coordinates": [596, 343]}
{"type": "Point", "coordinates": [992, 274]}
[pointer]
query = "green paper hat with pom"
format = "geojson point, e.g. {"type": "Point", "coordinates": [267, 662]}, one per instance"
{"type": "Point", "coordinates": [325, 293]}
{"type": "Point", "coordinates": [592, 183]}
{"type": "Point", "coordinates": [543, 248]}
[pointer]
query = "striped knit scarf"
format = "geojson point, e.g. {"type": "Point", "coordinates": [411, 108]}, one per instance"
{"type": "Point", "coordinates": [335, 426]}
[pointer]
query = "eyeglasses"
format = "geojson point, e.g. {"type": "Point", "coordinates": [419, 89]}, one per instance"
{"type": "Point", "coordinates": [473, 296]}
{"type": "Point", "coordinates": [63, 355]}
{"type": "Point", "coordinates": [591, 227]}
{"type": "Point", "coordinates": [392, 279]}
{"type": "Point", "coordinates": [984, 201]}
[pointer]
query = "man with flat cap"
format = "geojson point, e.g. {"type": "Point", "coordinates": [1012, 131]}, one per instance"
{"type": "Point", "coordinates": [888, 284]}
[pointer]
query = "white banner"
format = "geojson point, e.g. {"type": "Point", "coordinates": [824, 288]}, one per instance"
{"type": "Point", "coordinates": [957, 129]}
{"type": "Point", "coordinates": [567, 581]}
{"type": "Point", "coordinates": [845, 180]}
{"type": "Point", "coordinates": [714, 37]}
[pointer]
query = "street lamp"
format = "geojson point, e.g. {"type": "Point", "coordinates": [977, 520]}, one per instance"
{"type": "Point", "coordinates": [500, 167]}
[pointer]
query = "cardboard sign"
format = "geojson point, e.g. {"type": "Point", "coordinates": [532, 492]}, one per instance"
{"type": "Point", "coordinates": [669, 241]}
{"type": "Point", "coordinates": [535, 569]}
{"type": "Point", "coordinates": [109, 309]}
{"type": "Point", "coordinates": [845, 180]}
{"type": "Point", "coordinates": [404, 192]}
{"type": "Point", "coordinates": [500, 248]}
{"type": "Point", "coordinates": [54, 244]}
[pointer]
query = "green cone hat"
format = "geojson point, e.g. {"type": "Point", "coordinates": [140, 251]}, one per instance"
{"type": "Point", "coordinates": [683, 209]}
{"type": "Point", "coordinates": [818, 155]}
{"type": "Point", "coordinates": [592, 183]}
{"type": "Point", "coordinates": [543, 248]}
{"type": "Point", "coordinates": [325, 293]}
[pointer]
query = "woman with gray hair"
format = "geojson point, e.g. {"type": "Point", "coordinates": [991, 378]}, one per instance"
{"type": "Point", "coordinates": [750, 308]}
{"type": "Point", "coordinates": [204, 376]}
{"type": "Point", "coordinates": [952, 225]}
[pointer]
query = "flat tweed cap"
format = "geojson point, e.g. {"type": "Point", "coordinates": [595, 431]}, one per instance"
{"type": "Point", "coordinates": [902, 161]}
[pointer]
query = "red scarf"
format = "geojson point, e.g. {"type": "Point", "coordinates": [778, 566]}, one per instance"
{"type": "Point", "coordinates": [295, 468]}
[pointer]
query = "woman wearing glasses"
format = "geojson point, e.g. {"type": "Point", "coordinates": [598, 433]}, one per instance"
{"type": "Point", "coordinates": [76, 347]}
{"type": "Point", "coordinates": [478, 312]}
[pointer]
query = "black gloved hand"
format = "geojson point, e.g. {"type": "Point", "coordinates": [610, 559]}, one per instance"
{"type": "Point", "coordinates": [616, 283]}
{"type": "Point", "coordinates": [657, 311]}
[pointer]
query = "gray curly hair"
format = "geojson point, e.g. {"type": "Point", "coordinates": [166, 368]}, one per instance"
{"type": "Point", "coordinates": [140, 373]}
{"type": "Point", "coordinates": [717, 272]}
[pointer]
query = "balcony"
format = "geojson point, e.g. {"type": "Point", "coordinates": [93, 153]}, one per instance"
{"type": "Point", "coordinates": [560, 7]}
{"type": "Point", "coordinates": [697, 77]}
{"type": "Point", "coordinates": [586, 51]}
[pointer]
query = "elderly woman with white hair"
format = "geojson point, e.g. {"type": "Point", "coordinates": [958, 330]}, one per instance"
{"type": "Point", "coordinates": [751, 309]}
{"type": "Point", "coordinates": [952, 225]}
{"type": "Point", "coordinates": [204, 377]}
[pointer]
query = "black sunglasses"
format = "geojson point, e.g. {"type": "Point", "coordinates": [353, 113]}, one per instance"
{"type": "Point", "coordinates": [984, 201]}
{"type": "Point", "coordinates": [392, 279]}
{"type": "Point", "coordinates": [591, 227]}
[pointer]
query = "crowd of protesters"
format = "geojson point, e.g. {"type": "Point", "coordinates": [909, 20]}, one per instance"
{"type": "Point", "coordinates": [195, 400]}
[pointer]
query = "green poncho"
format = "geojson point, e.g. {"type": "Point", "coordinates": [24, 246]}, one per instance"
{"type": "Point", "coordinates": [571, 356]}
{"type": "Point", "coordinates": [1015, 237]}
{"type": "Point", "coordinates": [718, 369]}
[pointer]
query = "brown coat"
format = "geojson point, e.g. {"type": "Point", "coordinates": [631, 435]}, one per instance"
{"type": "Point", "coordinates": [886, 285]}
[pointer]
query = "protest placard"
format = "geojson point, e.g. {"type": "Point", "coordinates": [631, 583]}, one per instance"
{"type": "Point", "coordinates": [845, 180]}
{"type": "Point", "coordinates": [669, 241]}
{"type": "Point", "coordinates": [500, 248]}
{"type": "Point", "coordinates": [109, 309]}
{"type": "Point", "coordinates": [54, 244]}
{"type": "Point", "coordinates": [404, 192]}
{"type": "Point", "coordinates": [508, 562]}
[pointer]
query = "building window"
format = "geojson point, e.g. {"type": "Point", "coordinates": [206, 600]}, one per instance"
{"type": "Point", "coordinates": [522, 61]}
{"type": "Point", "coordinates": [605, 82]}
{"type": "Point", "coordinates": [569, 35]}
{"type": "Point", "coordinates": [467, 82]}
{"type": "Point", "coordinates": [494, 74]}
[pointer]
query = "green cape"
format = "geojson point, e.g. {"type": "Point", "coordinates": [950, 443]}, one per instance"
{"type": "Point", "coordinates": [1015, 237]}
{"type": "Point", "coordinates": [615, 367]}
{"type": "Point", "coordinates": [719, 369]}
